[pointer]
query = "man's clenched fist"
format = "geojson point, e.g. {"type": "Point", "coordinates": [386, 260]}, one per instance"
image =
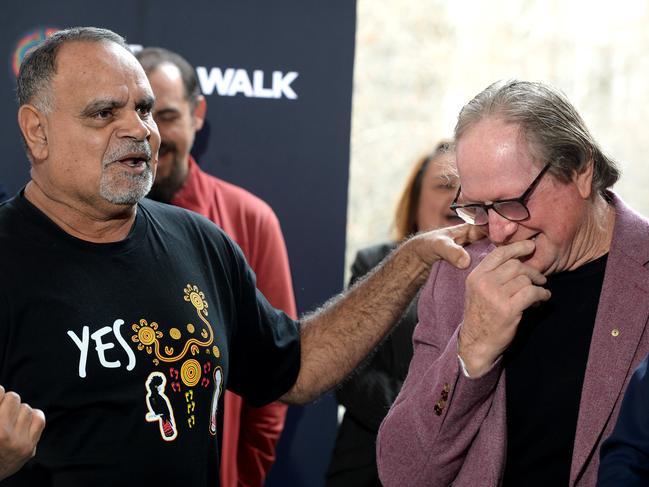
{"type": "Point", "coordinates": [20, 429]}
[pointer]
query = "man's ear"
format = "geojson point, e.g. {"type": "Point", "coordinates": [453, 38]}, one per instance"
{"type": "Point", "coordinates": [33, 126]}
{"type": "Point", "coordinates": [200, 112]}
{"type": "Point", "coordinates": [584, 179]}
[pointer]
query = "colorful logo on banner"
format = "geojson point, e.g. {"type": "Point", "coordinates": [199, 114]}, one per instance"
{"type": "Point", "coordinates": [27, 42]}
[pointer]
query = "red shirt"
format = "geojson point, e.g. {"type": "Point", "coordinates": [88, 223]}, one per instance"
{"type": "Point", "coordinates": [249, 434]}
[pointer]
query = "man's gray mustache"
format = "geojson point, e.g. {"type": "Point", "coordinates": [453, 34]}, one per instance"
{"type": "Point", "coordinates": [130, 148]}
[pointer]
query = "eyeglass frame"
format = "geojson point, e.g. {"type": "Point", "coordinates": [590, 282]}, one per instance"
{"type": "Point", "coordinates": [522, 199]}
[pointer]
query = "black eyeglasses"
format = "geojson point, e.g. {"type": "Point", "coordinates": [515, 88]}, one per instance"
{"type": "Point", "coordinates": [513, 209]}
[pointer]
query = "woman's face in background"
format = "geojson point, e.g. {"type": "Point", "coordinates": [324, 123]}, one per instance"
{"type": "Point", "coordinates": [439, 184]}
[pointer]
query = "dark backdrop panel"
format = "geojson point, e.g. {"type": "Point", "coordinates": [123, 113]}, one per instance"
{"type": "Point", "coordinates": [293, 153]}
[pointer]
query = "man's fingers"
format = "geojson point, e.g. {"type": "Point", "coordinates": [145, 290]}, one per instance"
{"type": "Point", "coordinates": [516, 284]}
{"type": "Point", "coordinates": [10, 408]}
{"type": "Point", "coordinates": [514, 268]}
{"type": "Point", "coordinates": [24, 419]}
{"type": "Point", "coordinates": [454, 254]}
{"type": "Point", "coordinates": [447, 243]}
{"type": "Point", "coordinates": [465, 234]}
{"type": "Point", "coordinates": [506, 252]}
{"type": "Point", "coordinates": [529, 295]}
{"type": "Point", "coordinates": [535, 276]}
{"type": "Point", "coordinates": [37, 425]}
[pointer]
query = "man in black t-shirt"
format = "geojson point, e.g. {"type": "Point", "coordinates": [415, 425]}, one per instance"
{"type": "Point", "coordinates": [123, 319]}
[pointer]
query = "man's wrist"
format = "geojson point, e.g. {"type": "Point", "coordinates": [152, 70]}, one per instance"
{"type": "Point", "coordinates": [407, 257]}
{"type": "Point", "coordinates": [465, 372]}
{"type": "Point", "coordinates": [474, 362]}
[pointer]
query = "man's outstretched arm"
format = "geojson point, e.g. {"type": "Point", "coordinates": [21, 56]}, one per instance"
{"type": "Point", "coordinates": [337, 337]}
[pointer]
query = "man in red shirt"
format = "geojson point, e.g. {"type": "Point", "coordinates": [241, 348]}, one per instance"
{"type": "Point", "coordinates": [249, 434]}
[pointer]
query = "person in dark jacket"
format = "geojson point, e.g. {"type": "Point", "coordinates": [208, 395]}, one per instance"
{"type": "Point", "coordinates": [624, 456]}
{"type": "Point", "coordinates": [368, 394]}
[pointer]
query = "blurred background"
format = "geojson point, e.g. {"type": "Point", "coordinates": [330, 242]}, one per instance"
{"type": "Point", "coordinates": [416, 66]}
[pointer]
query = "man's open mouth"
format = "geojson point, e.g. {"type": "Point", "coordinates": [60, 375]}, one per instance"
{"type": "Point", "coordinates": [134, 160]}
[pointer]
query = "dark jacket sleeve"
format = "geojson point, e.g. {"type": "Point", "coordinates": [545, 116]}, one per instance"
{"type": "Point", "coordinates": [370, 391]}
{"type": "Point", "coordinates": [625, 454]}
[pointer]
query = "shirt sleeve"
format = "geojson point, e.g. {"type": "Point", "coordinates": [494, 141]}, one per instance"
{"type": "Point", "coordinates": [269, 260]}
{"type": "Point", "coordinates": [265, 344]}
{"type": "Point", "coordinates": [260, 427]}
{"type": "Point", "coordinates": [259, 432]}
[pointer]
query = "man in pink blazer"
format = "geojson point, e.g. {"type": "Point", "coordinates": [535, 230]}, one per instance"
{"type": "Point", "coordinates": [521, 360]}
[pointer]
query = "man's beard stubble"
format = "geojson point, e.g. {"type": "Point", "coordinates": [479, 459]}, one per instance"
{"type": "Point", "coordinates": [120, 187]}
{"type": "Point", "coordinates": [164, 189]}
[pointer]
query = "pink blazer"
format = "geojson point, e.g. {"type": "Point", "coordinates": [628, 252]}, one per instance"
{"type": "Point", "coordinates": [445, 429]}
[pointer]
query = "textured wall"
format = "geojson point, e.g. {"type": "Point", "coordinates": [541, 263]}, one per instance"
{"type": "Point", "coordinates": [417, 63]}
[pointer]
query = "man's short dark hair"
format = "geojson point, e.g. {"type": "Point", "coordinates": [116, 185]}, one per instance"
{"type": "Point", "coordinates": [152, 57]}
{"type": "Point", "coordinates": [39, 66]}
{"type": "Point", "coordinates": [551, 126]}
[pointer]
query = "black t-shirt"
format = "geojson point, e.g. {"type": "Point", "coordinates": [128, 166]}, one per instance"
{"type": "Point", "coordinates": [545, 367]}
{"type": "Point", "coordinates": [128, 346]}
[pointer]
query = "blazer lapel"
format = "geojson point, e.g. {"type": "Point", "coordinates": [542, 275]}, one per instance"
{"type": "Point", "coordinates": [621, 319]}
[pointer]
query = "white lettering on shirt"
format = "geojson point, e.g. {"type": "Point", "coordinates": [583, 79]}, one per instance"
{"type": "Point", "coordinates": [101, 346]}
{"type": "Point", "coordinates": [131, 356]}
{"type": "Point", "coordinates": [83, 347]}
